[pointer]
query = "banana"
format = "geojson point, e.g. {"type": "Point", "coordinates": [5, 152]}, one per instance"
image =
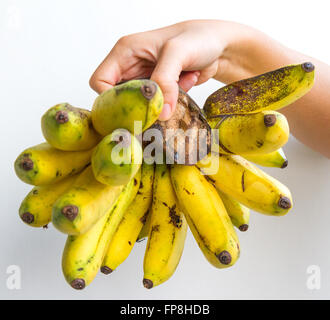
{"type": "Point", "coordinates": [270, 91]}
{"type": "Point", "coordinates": [86, 201]}
{"type": "Point", "coordinates": [274, 159]}
{"type": "Point", "coordinates": [145, 229]}
{"type": "Point", "coordinates": [167, 234]}
{"type": "Point", "coordinates": [117, 158]}
{"type": "Point", "coordinates": [68, 128]}
{"type": "Point", "coordinates": [83, 254]}
{"type": "Point", "coordinates": [257, 133]}
{"type": "Point", "coordinates": [42, 164]}
{"type": "Point", "coordinates": [206, 215]}
{"type": "Point", "coordinates": [122, 105]}
{"type": "Point", "coordinates": [132, 222]}
{"type": "Point", "coordinates": [239, 214]}
{"type": "Point", "coordinates": [247, 184]}
{"type": "Point", "coordinates": [36, 208]}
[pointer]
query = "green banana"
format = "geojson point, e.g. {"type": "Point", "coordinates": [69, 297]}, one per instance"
{"type": "Point", "coordinates": [270, 91]}
{"type": "Point", "coordinates": [122, 105]}
{"type": "Point", "coordinates": [83, 254]}
{"type": "Point", "coordinates": [68, 128]}
{"type": "Point", "coordinates": [114, 161]}
{"type": "Point", "coordinates": [86, 201]}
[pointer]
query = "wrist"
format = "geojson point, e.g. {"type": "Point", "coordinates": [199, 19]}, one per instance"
{"type": "Point", "coordinates": [238, 58]}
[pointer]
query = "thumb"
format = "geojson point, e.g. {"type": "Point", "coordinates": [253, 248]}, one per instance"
{"type": "Point", "coordinates": [166, 74]}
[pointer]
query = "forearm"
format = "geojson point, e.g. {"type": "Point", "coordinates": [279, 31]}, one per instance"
{"type": "Point", "coordinates": [251, 52]}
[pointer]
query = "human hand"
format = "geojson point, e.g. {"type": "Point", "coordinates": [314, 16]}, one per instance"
{"type": "Point", "coordinates": [186, 53]}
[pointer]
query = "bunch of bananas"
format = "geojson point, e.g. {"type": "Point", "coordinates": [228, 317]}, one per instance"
{"type": "Point", "coordinates": [105, 200]}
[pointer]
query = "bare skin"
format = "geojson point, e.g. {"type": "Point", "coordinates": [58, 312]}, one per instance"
{"type": "Point", "coordinates": [190, 53]}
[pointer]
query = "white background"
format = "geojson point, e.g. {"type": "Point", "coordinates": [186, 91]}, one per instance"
{"type": "Point", "coordinates": [49, 49]}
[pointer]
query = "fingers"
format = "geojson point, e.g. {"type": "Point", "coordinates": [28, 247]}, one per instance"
{"type": "Point", "coordinates": [166, 74]}
{"type": "Point", "coordinates": [207, 73]}
{"type": "Point", "coordinates": [188, 79]}
{"type": "Point", "coordinates": [107, 74]}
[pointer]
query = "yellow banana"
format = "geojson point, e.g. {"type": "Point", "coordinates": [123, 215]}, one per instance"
{"type": "Point", "coordinates": [206, 215]}
{"type": "Point", "coordinates": [86, 201]}
{"type": "Point", "coordinates": [274, 159]}
{"type": "Point", "coordinates": [168, 228]}
{"type": "Point", "coordinates": [247, 184]}
{"type": "Point", "coordinates": [43, 164]}
{"type": "Point", "coordinates": [83, 254]}
{"type": "Point", "coordinates": [239, 214]}
{"type": "Point", "coordinates": [117, 158]}
{"type": "Point", "coordinates": [68, 128]}
{"type": "Point", "coordinates": [270, 91]}
{"type": "Point", "coordinates": [132, 222]}
{"type": "Point", "coordinates": [145, 229]}
{"type": "Point", "coordinates": [257, 133]}
{"type": "Point", "coordinates": [36, 208]}
{"type": "Point", "coordinates": [122, 105]}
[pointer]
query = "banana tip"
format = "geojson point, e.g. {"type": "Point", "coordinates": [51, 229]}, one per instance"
{"type": "Point", "coordinates": [70, 212]}
{"type": "Point", "coordinates": [243, 227]}
{"type": "Point", "coordinates": [106, 270]}
{"type": "Point", "coordinates": [269, 120]}
{"type": "Point", "coordinates": [27, 217]}
{"type": "Point", "coordinates": [308, 67]}
{"type": "Point", "coordinates": [285, 164]}
{"type": "Point", "coordinates": [78, 284]}
{"type": "Point", "coordinates": [148, 284]}
{"type": "Point", "coordinates": [26, 164]}
{"type": "Point", "coordinates": [284, 203]}
{"type": "Point", "coordinates": [148, 90]}
{"type": "Point", "coordinates": [224, 257]}
{"type": "Point", "coordinates": [61, 117]}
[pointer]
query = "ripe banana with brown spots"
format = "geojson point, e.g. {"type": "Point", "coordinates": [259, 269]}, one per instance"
{"type": "Point", "coordinates": [167, 233]}
{"type": "Point", "coordinates": [206, 216]}
{"type": "Point", "coordinates": [145, 229]}
{"type": "Point", "coordinates": [246, 183]}
{"type": "Point", "coordinates": [131, 224]}
{"type": "Point", "coordinates": [270, 91]}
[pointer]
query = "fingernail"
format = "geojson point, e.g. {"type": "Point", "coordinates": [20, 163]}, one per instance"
{"type": "Point", "coordinates": [196, 75]}
{"type": "Point", "coordinates": [195, 79]}
{"type": "Point", "coordinates": [166, 112]}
